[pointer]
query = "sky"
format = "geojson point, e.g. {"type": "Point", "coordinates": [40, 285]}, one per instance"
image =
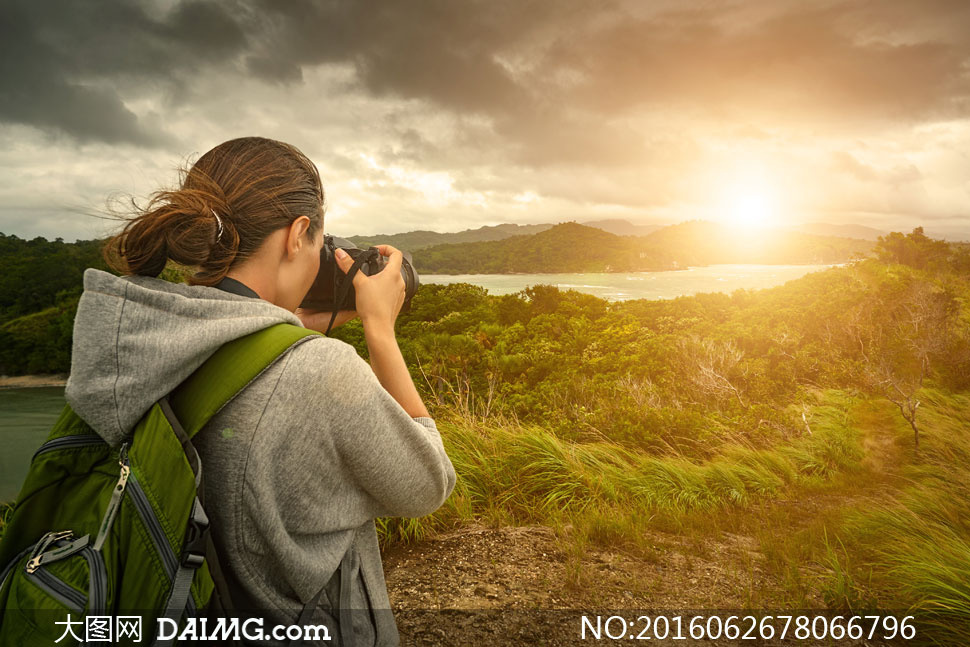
{"type": "Point", "coordinates": [451, 114]}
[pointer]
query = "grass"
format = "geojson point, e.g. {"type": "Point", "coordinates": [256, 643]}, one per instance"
{"type": "Point", "coordinates": [919, 545]}
{"type": "Point", "coordinates": [527, 474]}
{"type": "Point", "coordinates": [602, 494]}
{"type": "Point", "coordinates": [847, 517]}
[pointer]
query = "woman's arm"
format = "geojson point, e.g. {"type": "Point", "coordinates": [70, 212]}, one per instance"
{"type": "Point", "coordinates": [379, 300]}
{"type": "Point", "coordinates": [391, 371]}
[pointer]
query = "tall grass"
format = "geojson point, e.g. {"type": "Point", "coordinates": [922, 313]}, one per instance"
{"type": "Point", "coordinates": [528, 474]}
{"type": "Point", "coordinates": [921, 544]}
{"type": "Point", "coordinates": [911, 553]}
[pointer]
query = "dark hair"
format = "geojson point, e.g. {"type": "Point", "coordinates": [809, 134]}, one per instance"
{"type": "Point", "coordinates": [227, 203]}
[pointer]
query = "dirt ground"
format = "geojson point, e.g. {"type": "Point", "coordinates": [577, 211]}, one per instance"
{"type": "Point", "coordinates": [515, 586]}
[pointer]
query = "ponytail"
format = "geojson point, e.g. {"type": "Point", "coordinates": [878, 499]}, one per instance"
{"type": "Point", "coordinates": [228, 203]}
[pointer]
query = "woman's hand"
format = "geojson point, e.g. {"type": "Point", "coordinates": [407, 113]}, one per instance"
{"type": "Point", "coordinates": [379, 297]}
{"type": "Point", "coordinates": [379, 300]}
{"type": "Point", "coordinates": [320, 319]}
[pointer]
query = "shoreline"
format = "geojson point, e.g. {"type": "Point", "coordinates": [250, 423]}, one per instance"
{"type": "Point", "coordinates": [28, 381]}
{"type": "Point", "coordinates": [676, 269]}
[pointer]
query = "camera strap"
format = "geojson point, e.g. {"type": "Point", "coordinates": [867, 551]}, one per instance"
{"type": "Point", "coordinates": [348, 282]}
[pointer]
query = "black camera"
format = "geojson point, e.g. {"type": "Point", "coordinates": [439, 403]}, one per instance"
{"type": "Point", "coordinates": [333, 290]}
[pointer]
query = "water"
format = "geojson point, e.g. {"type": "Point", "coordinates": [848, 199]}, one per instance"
{"type": "Point", "coordinates": [640, 285]}
{"type": "Point", "coordinates": [26, 415]}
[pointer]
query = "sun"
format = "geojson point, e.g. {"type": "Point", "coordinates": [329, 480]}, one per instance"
{"type": "Point", "coordinates": [746, 196]}
{"type": "Point", "coordinates": [750, 209]}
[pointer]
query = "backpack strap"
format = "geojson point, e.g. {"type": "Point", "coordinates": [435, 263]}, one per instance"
{"type": "Point", "coordinates": [188, 408]}
{"type": "Point", "coordinates": [228, 371]}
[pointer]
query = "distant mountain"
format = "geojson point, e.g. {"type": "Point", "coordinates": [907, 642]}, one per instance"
{"type": "Point", "coordinates": [700, 242]}
{"type": "Point", "coordinates": [843, 231]}
{"type": "Point", "coordinates": [571, 247]}
{"type": "Point", "coordinates": [566, 247]}
{"type": "Point", "coordinates": [622, 227]}
{"type": "Point", "coordinates": [420, 239]}
{"type": "Point", "coordinates": [414, 240]}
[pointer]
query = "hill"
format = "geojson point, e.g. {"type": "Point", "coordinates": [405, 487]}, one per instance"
{"type": "Point", "coordinates": [571, 247]}
{"type": "Point", "coordinates": [699, 242]}
{"type": "Point", "coordinates": [420, 239]}
{"type": "Point", "coordinates": [844, 231]}
{"type": "Point", "coordinates": [622, 227]}
{"type": "Point", "coordinates": [35, 273]}
{"type": "Point", "coordinates": [567, 247]}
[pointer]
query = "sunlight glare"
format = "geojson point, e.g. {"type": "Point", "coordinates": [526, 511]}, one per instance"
{"type": "Point", "coordinates": [750, 210]}
{"type": "Point", "coordinates": [746, 197]}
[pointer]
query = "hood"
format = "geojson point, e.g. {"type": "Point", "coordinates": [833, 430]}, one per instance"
{"type": "Point", "coordinates": [136, 338]}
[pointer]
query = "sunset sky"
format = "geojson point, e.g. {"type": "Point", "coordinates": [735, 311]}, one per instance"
{"type": "Point", "coordinates": [451, 115]}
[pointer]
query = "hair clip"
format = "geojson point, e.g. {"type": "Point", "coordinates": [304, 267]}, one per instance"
{"type": "Point", "coordinates": [219, 222]}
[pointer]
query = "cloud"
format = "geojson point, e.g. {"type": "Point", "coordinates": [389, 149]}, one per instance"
{"type": "Point", "coordinates": [640, 108]}
{"type": "Point", "coordinates": [528, 67]}
{"type": "Point", "coordinates": [70, 67]}
{"type": "Point", "coordinates": [807, 64]}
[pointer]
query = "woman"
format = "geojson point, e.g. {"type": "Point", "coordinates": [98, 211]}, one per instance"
{"type": "Point", "coordinates": [302, 460]}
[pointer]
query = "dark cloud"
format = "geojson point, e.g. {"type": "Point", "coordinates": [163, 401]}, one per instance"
{"type": "Point", "coordinates": [558, 81]}
{"type": "Point", "coordinates": [65, 66]}
{"type": "Point", "coordinates": [439, 51]}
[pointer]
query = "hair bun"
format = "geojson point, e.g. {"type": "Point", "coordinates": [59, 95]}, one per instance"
{"type": "Point", "coordinates": [228, 203]}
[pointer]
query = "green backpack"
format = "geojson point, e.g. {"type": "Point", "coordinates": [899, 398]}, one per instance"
{"type": "Point", "coordinates": [121, 533]}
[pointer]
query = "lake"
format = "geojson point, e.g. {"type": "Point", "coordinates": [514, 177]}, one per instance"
{"type": "Point", "coordinates": [622, 286]}
{"type": "Point", "coordinates": [26, 415]}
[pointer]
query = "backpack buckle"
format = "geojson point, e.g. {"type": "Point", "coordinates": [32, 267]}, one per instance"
{"type": "Point", "coordinates": [193, 548]}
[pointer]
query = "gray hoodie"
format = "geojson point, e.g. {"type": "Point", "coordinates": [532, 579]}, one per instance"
{"type": "Point", "coordinates": [297, 465]}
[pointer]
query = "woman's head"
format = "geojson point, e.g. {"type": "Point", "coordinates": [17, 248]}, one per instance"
{"type": "Point", "coordinates": [229, 203]}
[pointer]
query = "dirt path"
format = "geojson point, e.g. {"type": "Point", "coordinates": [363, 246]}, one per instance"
{"type": "Point", "coordinates": [487, 583]}
{"type": "Point", "coordinates": [516, 585]}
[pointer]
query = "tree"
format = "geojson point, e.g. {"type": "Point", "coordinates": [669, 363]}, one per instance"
{"type": "Point", "coordinates": [914, 249]}
{"type": "Point", "coordinates": [917, 331]}
{"type": "Point", "coordinates": [712, 366]}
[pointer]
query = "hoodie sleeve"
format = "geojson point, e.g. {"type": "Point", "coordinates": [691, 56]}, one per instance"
{"type": "Point", "coordinates": [370, 456]}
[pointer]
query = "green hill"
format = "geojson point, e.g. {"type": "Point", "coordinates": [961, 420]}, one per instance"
{"type": "Point", "coordinates": [571, 247]}
{"type": "Point", "coordinates": [35, 274]}
{"type": "Point", "coordinates": [567, 247]}
{"type": "Point", "coordinates": [420, 239]}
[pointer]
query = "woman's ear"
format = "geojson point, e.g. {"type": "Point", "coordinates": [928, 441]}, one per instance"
{"type": "Point", "coordinates": [295, 239]}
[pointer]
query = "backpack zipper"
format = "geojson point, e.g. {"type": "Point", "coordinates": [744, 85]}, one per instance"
{"type": "Point", "coordinates": [69, 441]}
{"type": "Point", "coordinates": [64, 548]}
{"type": "Point", "coordinates": [162, 547]}
{"type": "Point", "coordinates": [41, 546]}
{"type": "Point", "coordinates": [61, 591]}
{"type": "Point", "coordinates": [115, 503]}
{"type": "Point", "coordinates": [147, 514]}
{"type": "Point", "coordinates": [99, 581]}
